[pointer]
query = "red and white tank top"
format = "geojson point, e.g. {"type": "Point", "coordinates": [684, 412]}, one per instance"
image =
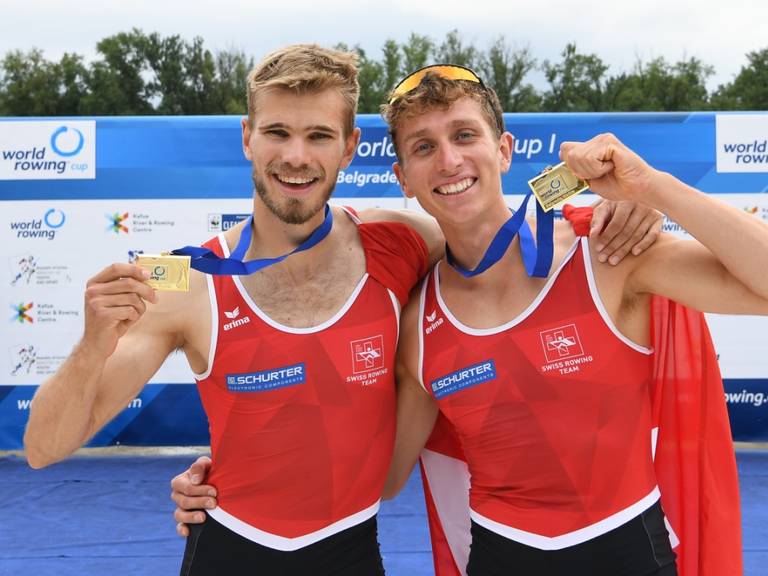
{"type": "Point", "coordinates": [302, 420]}
{"type": "Point", "coordinates": [552, 410]}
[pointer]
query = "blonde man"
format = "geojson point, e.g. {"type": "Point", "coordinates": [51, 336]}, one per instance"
{"type": "Point", "coordinates": [294, 364]}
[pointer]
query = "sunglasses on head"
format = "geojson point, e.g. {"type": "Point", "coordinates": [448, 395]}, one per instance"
{"type": "Point", "coordinates": [446, 71]}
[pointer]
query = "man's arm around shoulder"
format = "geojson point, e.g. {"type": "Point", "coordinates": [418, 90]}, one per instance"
{"type": "Point", "coordinates": [424, 225]}
{"type": "Point", "coordinates": [416, 410]}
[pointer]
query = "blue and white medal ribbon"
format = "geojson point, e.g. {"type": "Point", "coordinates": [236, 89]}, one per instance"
{"type": "Point", "coordinates": [207, 261]}
{"type": "Point", "coordinates": [537, 256]}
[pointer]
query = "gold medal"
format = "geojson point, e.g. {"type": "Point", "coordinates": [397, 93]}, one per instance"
{"type": "Point", "coordinates": [167, 272]}
{"type": "Point", "coordinates": [555, 185]}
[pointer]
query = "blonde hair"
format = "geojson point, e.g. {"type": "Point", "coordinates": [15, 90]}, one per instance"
{"type": "Point", "coordinates": [436, 92]}
{"type": "Point", "coordinates": [307, 69]}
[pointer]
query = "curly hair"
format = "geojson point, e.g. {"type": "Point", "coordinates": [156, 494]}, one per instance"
{"type": "Point", "coordinates": [436, 92]}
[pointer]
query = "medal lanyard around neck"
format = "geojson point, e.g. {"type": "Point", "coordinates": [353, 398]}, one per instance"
{"type": "Point", "coordinates": [208, 262]}
{"type": "Point", "coordinates": [537, 256]}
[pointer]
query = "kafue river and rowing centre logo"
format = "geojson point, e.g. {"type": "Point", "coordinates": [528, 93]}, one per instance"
{"type": "Point", "coordinates": [117, 222]}
{"type": "Point", "coordinates": [22, 313]}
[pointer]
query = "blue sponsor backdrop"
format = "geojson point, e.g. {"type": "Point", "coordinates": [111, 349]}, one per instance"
{"type": "Point", "coordinates": [187, 157]}
{"type": "Point", "coordinates": [201, 157]}
{"type": "Point", "coordinates": [747, 400]}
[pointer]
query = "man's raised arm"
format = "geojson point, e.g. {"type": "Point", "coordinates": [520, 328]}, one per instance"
{"type": "Point", "coordinates": [725, 271]}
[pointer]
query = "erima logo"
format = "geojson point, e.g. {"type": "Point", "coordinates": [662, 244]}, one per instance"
{"type": "Point", "coordinates": [233, 315]}
{"type": "Point", "coordinates": [433, 324]}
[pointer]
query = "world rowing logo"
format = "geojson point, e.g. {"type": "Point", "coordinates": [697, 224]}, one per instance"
{"type": "Point", "coordinates": [67, 145]}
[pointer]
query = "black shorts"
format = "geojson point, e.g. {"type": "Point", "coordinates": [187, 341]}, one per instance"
{"type": "Point", "coordinates": [214, 550]}
{"type": "Point", "coordinates": [638, 548]}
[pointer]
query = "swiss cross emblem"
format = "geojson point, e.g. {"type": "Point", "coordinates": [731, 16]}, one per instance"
{"type": "Point", "coordinates": [367, 354]}
{"type": "Point", "coordinates": [561, 343]}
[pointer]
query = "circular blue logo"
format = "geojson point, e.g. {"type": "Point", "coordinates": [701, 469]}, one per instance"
{"type": "Point", "coordinates": [51, 219]}
{"type": "Point", "coordinates": [66, 153]}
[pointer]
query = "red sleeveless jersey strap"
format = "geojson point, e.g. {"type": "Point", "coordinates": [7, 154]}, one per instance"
{"type": "Point", "coordinates": [580, 218]}
{"type": "Point", "coordinates": [214, 245]}
{"type": "Point", "coordinates": [396, 256]}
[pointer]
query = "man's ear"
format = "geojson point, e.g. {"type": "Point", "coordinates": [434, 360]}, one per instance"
{"type": "Point", "coordinates": [506, 146]}
{"type": "Point", "coordinates": [246, 138]}
{"type": "Point", "coordinates": [350, 147]}
{"type": "Point", "coordinates": [401, 179]}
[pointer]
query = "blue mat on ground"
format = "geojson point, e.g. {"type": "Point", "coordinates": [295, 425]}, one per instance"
{"type": "Point", "coordinates": [112, 516]}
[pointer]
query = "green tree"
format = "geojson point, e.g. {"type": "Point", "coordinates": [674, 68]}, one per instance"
{"type": "Point", "coordinates": [165, 59]}
{"type": "Point", "coordinates": [575, 84]}
{"type": "Point", "coordinates": [378, 78]}
{"type": "Point", "coordinates": [453, 50]}
{"type": "Point", "coordinates": [372, 85]}
{"type": "Point", "coordinates": [689, 86]}
{"type": "Point", "coordinates": [417, 51]}
{"type": "Point", "coordinates": [184, 76]}
{"type": "Point", "coordinates": [232, 67]}
{"type": "Point", "coordinates": [201, 80]}
{"type": "Point", "coordinates": [659, 86]}
{"type": "Point", "coordinates": [73, 78]}
{"type": "Point", "coordinates": [749, 90]}
{"type": "Point", "coordinates": [116, 83]}
{"type": "Point", "coordinates": [392, 64]}
{"type": "Point", "coordinates": [29, 85]}
{"type": "Point", "coordinates": [138, 73]}
{"type": "Point", "coordinates": [504, 69]}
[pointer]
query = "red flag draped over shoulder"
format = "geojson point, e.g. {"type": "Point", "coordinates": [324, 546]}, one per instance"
{"type": "Point", "coordinates": [695, 464]}
{"type": "Point", "coordinates": [694, 458]}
